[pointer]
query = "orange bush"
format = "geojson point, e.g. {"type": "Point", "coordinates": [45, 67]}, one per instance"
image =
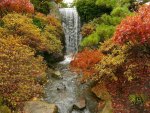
{"type": "Point", "coordinates": [85, 61]}
{"type": "Point", "coordinates": [135, 29]}
{"type": "Point", "coordinates": [16, 5]}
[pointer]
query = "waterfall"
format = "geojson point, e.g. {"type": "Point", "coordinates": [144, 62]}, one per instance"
{"type": "Point", "coordinates": [71, 26]}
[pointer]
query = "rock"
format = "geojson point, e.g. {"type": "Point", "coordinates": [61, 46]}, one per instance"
{"type": "Point", "coordinates": [101, 92]}
{"type": "Point", "coordinates": [80, 104]}
{"type": "Point", "coordinates": [56, 74]}
{"type": "Point", "coordinates": [61, 87]}
{"type": "Point", "coordinates": [39, 107]}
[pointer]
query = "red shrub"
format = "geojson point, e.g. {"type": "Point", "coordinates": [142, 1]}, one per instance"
{"type": "Point", "coordinates": [135, 29]}
{"type": "Point", "coordinates": [85, 61]}
{"type": "Point", "coordinates": [16, 5]}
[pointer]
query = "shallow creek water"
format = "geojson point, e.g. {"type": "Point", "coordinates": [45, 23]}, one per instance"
{"type": "Point", "coordinates": [66, 91]}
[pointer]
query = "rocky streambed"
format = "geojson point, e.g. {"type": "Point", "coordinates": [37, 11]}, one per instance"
{"type": "Point", "coordinates": [64, 90]}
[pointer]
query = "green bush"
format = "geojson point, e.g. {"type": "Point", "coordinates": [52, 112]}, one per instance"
{"type": "Point", "coordinates": [110, 20]}
{"type": "Point", "coordinates": [137, 98]}
{"type": "Point", "coordinates": [114, 3]}
{"type": "Point", "coordinates": [91, 40]}
{"type": "Point", "coordinates": [105, 25]}
{"type": "Point", "coordinates": [108, 3]}
{"type": "Point", "coordinates": [88, 10]}
{"type": "Point", "coordinates": [42, 6]}
{"type": "Point", "coordinates": [102, 33]}
{"type": "Point", "coordinates": [120, 11]}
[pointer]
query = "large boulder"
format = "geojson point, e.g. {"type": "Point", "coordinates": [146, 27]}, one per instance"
{"type": "Point", "coordinates": [105, 106]}
{"type": "Point", "coordinates": [80, 104]}
{"type": "Point", "coordinates": [39, 107]}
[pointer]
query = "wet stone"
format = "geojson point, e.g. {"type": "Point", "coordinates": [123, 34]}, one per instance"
{"type": "Point", "coordinates": [61, 87]}
{"type": "Point", "coordinates": [80, 104]}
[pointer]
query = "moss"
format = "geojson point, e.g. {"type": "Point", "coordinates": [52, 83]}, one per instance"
{"type": "Point", "coordinates": [4, 109]}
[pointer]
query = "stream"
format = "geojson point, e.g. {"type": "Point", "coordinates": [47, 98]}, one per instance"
{"type": "Point", "coordinates": [65, 92]}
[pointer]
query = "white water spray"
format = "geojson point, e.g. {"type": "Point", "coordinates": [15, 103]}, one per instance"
{"type": "Point", "coordinates": [71, 25]}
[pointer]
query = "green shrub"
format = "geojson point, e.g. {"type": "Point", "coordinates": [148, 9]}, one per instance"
{"type": "Point", "coordinates": [108, 3]}
{"type": "Point", "coordinates": [88, 10]}
{"type": "Point", "coordinates": [105, 25]}
{"type": "Point", "coordinates": [120, 12]}
{"type": "Point", "coordinates": [42, 6]}
{"type": "Point", "coordinates": [110, 20]}
{"type": "Point", "coordinates": [137, 98]}
{"type": "Point", "coordinates": [91, 40]}
{"type": "Point", "coordinates": [105, 31]}
{"type": "Point", "coordinates": [102, 33]}
{"type": "Point", "coordinates": [114, 3]}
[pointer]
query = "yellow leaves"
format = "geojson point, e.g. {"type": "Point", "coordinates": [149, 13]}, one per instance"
{"type": "Point", "coordinates": [30, 34]}
{"type": "Point", "coordinates": [18, 70]}
{"type": "Point", "coordinates": [53, 44]}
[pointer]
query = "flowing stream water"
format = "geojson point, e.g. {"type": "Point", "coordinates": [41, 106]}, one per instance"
{"type": "Point", "coordinates": [66, 91]}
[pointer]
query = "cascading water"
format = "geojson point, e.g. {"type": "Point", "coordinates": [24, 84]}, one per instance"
{"type": "Point", "coordinates": [71, 25]}
{"type": "Point", "coordinates": [66, 92]}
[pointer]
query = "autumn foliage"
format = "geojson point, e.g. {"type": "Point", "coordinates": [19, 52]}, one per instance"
{"type": "Point", "coordinates": [84, 62]}
{"type": "Point", "coordinates": [30, 34]}
{"type": "Point", "coordinates": [87, 29]}
{"type": "Point", "coordinates": [122, 64]}
{"type": "Point", "coordinates": [48, 23]}
{"type": "Point", "coordinates": [23, 6]}
{"type": "Point", "coordinates": [135, 29]}
{"type": "Point", "coordinates": [19, 70]}
{"type": "Point", "coordinates": [24, 38]}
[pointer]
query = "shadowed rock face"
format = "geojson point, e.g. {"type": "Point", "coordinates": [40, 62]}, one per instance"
{"type": "Point", "coordinates": [39, 107]}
